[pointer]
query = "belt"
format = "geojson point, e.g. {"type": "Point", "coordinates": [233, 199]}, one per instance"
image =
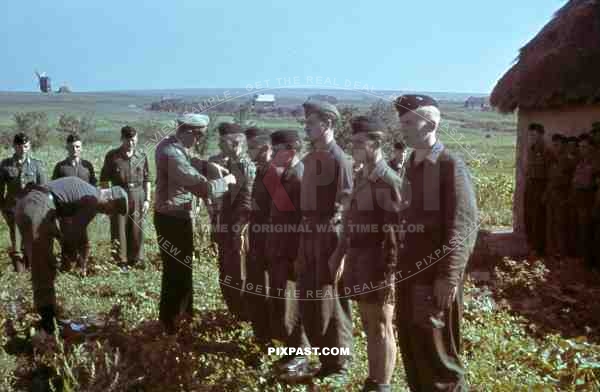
{"type": "Point", "coordinates": [130, 185]}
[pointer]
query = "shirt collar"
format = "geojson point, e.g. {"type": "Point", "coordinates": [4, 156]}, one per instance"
{"type": "Point", "coordinates": [434, 152]}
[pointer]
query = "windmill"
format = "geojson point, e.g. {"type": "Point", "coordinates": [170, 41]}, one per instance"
{"type": "Point", "coordinates": [44, 82]}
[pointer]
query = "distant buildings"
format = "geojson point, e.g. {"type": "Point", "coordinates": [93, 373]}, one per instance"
{"type": "Point", "coordinates": [481, 103]}
{"type": "Point", "coordinates": [262, 101]}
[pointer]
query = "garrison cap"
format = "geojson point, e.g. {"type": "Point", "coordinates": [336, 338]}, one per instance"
{"type": "Point", "coordinates": [193, 120]}
{"type": "Point", "coordinates": [119, 195]}
{"type": "Point", "coordinates": [410, 102]}
{"type": "Point", "coordinates": [399, 145]}
{"type": "Point", "coordinates": [285, 136]}
{"type": "Point", "coordinates": [226, 128]}
{"type": "Point", "coordinates": [320, 106]}
{"type": "Point", "coordinates": [539, 128]}
{"type": "Point", "coordinates": [255, 132]}
{"type": "Point", "coordinates": [20, 138]}
{"type": "Point", "coordinates": [364, 124]}
{"type": "Point", "coordinates": [127, 132]}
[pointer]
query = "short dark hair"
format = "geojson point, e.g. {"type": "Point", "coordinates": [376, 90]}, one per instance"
{"type": "Point", "coordinates": [72, 138]}
{"type": "Point", "coordinates": [128, 132]}
{"type": "Point", "coordinates": [21, 138]}
{"type": "Point", "coordinates": [399, 146]}
{"type": "Point", "coordinates": [537, 127]}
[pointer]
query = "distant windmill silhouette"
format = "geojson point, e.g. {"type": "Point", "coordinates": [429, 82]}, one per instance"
{"type": "Point", "coordinates": [44, 82]}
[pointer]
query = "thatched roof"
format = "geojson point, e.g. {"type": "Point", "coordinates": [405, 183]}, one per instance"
{"type": "Point", "coordinates": [560, 66]}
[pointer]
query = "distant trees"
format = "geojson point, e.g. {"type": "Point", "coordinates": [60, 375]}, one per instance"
{"type": "Point", "coordinates": [34, 124]}
{"type": "Point", "coordinates": [83, 125]}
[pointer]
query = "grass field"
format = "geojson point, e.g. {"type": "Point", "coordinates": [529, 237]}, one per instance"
{"type": "Point", "coordinates": [509, 344]}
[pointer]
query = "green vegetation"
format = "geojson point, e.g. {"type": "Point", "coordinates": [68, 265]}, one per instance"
{"type": "Point", "coordinates": [530, 327]}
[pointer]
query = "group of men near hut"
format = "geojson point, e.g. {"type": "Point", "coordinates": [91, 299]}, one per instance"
{"type": "Point", "coordinates": [298, 237]}
{"type": "Point", "coordinates": [562, 197]}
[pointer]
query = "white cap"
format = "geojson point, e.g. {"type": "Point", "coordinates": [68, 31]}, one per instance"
{"type": "Point", "coordinates": [194, 120]}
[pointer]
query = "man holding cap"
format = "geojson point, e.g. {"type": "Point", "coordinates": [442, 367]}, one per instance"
{"type": "Point", "coordinates": [233, 216]}
{"type": "Point", "coordinates": [177, 180]}
{"type": "Point", "coordinates": [36, 215]}
{"type": "Point", "coordinates": [127, 167]}
{"type": "Point", "coordinates": [443, 206]}
{"type": "Point", "coordinates": [326, 187]}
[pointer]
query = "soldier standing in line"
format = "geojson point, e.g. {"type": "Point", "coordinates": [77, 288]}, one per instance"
{"type": "Point", "coordinates": [127, 167]}
{"type": "Point", "coordinates": [595, 140]}
{"type": "Point", "coordinates": [556, 198]}
{"type": "Point", "coordinates": [584, 187]}
{"type": "Point", "coordinates": [259, 150]}
{"type": "Point", "coordinates": [444, 207]}
{"type": "Point", "coordinates": [233, 217]}
{"type": "Point", "coordinates": [36, 214]}
{"type": "Point", "coordinates": [75, 166]}
{"type": "Point", "coordinates": [15, 173]}
{"type": "Point", "coordinates": [535, 186]}
{"type": "Point", "coordinates": [283, 180]}
{"type": "Point", "coordinates": [326, 188]}
{"type": "Point", "coordinates": [176, 180]}
{"type": "Point", "coordinates": [398, 162]}
{"type": "Point", "coordinates": [371, 255]}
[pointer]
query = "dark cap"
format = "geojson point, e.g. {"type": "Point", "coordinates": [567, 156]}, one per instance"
{"type": "Point", "coordinates": [20, 138]}
{"type": "Point", "coordinates": [399, 146]}
{"type": "Point", "coordinates": [72, 138]}
{"type": "Point", "coordinates": [229, 129]}
{"type": "Point", "coordinates": [320, 106]}
{"type": "Point", "coordinates": [127, 132]}
{"type": "Point", "coordinates": [253, 132]}
{"type": "Point", "coordinates": [409, 102]}
{"type": "Point", "coordinates": [119, 196]}
{"type": "Point", "coordinates": [364, 124]}
{"type": "Point", "coordinates": [539, 128]}
{"type": "Point", "coordinates": [285, 136]}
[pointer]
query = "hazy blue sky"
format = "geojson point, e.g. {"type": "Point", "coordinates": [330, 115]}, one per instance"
{"type": "Point", "coordinates": [459, 46]}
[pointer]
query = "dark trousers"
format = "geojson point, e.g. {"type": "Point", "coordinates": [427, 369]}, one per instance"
{"type": "Point", "coordinates": [36, 220]}
{"type": "Point", "coordinates": [75, 252]}
{"type": "Point", "coordinates": [429, 350]}
{"type": "Point", "coordinates": [535, 215]}
{"type": "Point", "coordinates": [176, 295]}
{"type": "Point", "coordinates": [127, 231]}
{"type": "Point", "coordinates": [256, 296]}
{"type": "Point", "coordinates": [327, 318]}
{"type": "Point", "coordinates": [232, 264]}
{"type": "Point", "coordinates": [16, 253]}
{"type": "Point", "coordinates": [284, 305]}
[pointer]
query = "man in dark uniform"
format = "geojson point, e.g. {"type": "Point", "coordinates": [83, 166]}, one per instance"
{"type": "Point", "coordinates": [571, 226]}
{"type": "Point", "coordinates": [535, 186]}
{"type": "Point", "coordinates": [326, 187]}
{"type": "Point", "coordinates": [556, 197]}
{"type": "Point", "coordinates": [584, 188]}
{"type": "Point", "coordinates": [36, 215]}
{"type": "Point", "coordinates": [127, 167]}
{"type": "Point", "coordinates": [15, 173]}
{"type": "Point", "coordinates": [371, 248]}
{"type": "Point", "coordinates": [398, 162]}
{"type": "Point", "coordinates": [233, 216]}
{"type": "Point", "coordinates": [432, 264]}
{"type": "Point", "coordinates": [283, 180]}
{"type": "Point", "coordinates": [75, 166]}
{"type": "Point", "coordinates": [176, 180]}
{"type": "Point", "coordinates": [259, 150]}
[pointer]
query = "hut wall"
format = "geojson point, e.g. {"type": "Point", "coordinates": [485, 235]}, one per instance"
{"type": "Point", "coordinates": [570, 121]}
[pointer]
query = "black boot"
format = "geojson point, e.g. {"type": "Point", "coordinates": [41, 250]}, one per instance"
{"type": "Point", "coordinates": [48, 316]}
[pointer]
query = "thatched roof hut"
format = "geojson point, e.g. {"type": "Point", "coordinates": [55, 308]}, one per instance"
{"type": "Point", "coordinates": [555, 81]}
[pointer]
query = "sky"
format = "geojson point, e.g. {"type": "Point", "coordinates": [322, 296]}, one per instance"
{"type": "Point", "coordinates": [458, 46]}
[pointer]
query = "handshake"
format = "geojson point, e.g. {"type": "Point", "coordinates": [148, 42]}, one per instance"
{"type": "Point", "coordinates": [213, 171]}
